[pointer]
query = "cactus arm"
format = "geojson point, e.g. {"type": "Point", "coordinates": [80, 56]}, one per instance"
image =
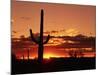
{"type": "Point", "coordinates": [32, 37]}
{"type": "Point", "coordinates": [48, 37]}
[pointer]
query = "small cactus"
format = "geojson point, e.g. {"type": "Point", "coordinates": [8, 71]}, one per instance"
{"type": "Point", "coordinates": [28, 54]}
{"type": "Point", "coordinates": [40, 42]}
{"type": "Point", "coordinates": [23, 57]}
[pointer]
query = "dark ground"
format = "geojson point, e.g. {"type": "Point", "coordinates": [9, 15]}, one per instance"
{"type": "Point", "coordinates": [52, 65]}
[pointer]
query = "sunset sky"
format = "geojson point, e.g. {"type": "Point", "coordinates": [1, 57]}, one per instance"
{"type": "Point", "coordinates": [76, 19]}
{"type": "Point", "coordinates": [64, 19]}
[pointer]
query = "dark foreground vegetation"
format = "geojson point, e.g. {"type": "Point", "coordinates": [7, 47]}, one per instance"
{"type": "Point", "coordinates": [52, 65]}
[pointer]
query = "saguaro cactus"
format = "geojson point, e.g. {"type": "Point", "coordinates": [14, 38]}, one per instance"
{"type": "Point", "coordinates": [40, 42]}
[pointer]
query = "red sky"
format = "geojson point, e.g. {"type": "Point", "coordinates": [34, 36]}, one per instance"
{"type": "Point", "coordinates": [73, 19]}
{"type": "Point", "coordinates": [79, 18]}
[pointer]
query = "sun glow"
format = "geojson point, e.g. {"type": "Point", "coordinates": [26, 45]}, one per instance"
{"type": "Point", "coordinates": [49, 55]}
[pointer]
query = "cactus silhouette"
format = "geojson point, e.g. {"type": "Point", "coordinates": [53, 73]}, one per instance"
{"type": "Point", "coordinates": [40, 41]}
{"type": "Point", "coordinates": [22, 57]}
{"type": "Point", "coordinates": [28, 54]}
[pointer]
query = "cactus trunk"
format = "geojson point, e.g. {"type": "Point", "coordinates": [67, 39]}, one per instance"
{"type": "Point", "coordinates": [40, 49]}
{"type": "Point", "coordinates": [40, 53]}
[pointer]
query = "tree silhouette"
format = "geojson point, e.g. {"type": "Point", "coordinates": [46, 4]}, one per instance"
{"type": "Point", "coordinates": [75, 53]}
{"type": "Point", "coordinates": [40, 41]}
